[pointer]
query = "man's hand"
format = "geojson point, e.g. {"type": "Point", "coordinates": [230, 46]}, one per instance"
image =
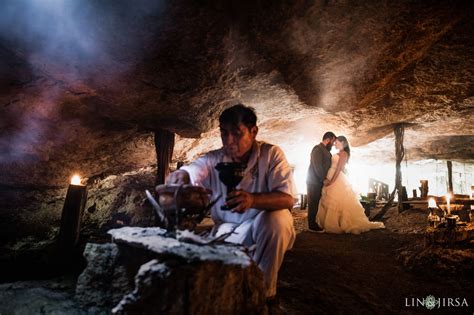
{"type": "Point", "coordinates": [179, 177]}
{"type": "Point", "coordinates": [240, 201]}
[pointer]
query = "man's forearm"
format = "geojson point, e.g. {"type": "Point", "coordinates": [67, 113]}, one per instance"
{"type": "Point", "coordinates": [272, 201]}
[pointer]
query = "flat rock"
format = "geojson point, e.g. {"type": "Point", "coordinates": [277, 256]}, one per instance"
{"type": "Point", "coordinates": [155, 241]}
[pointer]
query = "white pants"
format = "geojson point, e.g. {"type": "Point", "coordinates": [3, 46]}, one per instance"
{"type": "Point", "coordinates": [273, 234]}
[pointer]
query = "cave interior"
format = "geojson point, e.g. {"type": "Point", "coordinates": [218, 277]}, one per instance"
{"type": "Point", "coordinates": [89, 88]}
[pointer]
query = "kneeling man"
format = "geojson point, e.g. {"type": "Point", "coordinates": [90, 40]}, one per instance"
{"type": "Point", "coordinates": [259, 207]}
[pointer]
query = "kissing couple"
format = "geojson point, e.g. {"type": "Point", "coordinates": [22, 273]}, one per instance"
{"type": "Point", "coordinates": [333, 206]}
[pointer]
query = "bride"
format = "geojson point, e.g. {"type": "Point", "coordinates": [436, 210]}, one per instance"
{"type": "Point", "coordinates": [339, 208]}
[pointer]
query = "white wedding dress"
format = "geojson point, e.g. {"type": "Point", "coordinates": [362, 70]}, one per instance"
{"type": "Point", "coordinates": [339, 208]}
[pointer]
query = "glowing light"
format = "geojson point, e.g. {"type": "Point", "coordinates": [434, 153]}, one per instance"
{"type": "Point", "coordinates": [359, 174]}
{"type": "Point", "coordinates": [76, 180]}
{"type": "Point", "coordinates": [299, 175]}
{"type": "Point", "coordinates": [431, 203]}
{"type": "Point", "coordinates": [448, 199]}
{"type": "Point", "coordinates": [298, 156]}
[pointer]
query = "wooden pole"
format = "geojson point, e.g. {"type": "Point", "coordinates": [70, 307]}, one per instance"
{"type": "Point", "coordinates": [450, 177]}
{"type": "Point", "coordinates": [74, 204]}
{"type": "Point", "coordinates": [164, 145]}
{"type": "Point", "coordinates": [399, 131]}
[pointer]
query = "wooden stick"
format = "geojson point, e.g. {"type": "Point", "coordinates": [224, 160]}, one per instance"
{"type": "Point", "coordinates": [164, 145]}
{"type": "Point", "coordinates": [450, 177]}
{"type": "Point", "coordinates": [399, 131]}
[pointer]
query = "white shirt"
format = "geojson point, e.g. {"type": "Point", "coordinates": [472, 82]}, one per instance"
{"type": "Point", "coordinates": [267, 171]}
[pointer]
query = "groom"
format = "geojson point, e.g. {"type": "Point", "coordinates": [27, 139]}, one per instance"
{"type": "Point", "coordinates": [318, 168]}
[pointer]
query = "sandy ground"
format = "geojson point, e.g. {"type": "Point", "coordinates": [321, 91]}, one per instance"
{"type": "Point", "coordinates": [322, 274]}
{"type": "Point", "coordinates": [338, 274]}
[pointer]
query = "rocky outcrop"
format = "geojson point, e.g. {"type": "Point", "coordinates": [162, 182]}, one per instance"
{"type": "Point", "coordinates": [33, 217]}
{"type": "Point", "coordinates": [169, 275]}
{"type": "Point", "coordinates": [355, 68]}
{"type": "Point", "coordinates": [103, 283]}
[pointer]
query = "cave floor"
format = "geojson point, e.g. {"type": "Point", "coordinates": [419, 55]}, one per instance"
{"type": "Point", "coordinates": [341, 273]}
{"type": "Point", "coordinates": [322, 274]}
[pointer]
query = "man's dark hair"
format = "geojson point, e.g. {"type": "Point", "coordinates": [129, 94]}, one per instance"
{"type": "Point", "coordinates": [329, 135]}
{"type": "Point", "coordinates": [239, 114]}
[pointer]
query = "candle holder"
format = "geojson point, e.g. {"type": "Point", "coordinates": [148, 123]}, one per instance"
{"type": "Point", "coordinates": [434, 220]}
{"type": "Point", "coordinates": [73, 208]}
{"type": "Point", "coordinates": [451, 221]}
{"type": "Point", "coordinates": [230, 174]}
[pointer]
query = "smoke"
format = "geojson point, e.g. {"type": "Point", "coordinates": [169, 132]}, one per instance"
{"type": "Point", "coordinates": [76, 34]}
{"type": "Point", "coordinates": [50, 29]}
{"type": "Point", "coordinates": [342, 41]}
{"type": "Point", "coordinates": [68, 46]}
{"type": "Point", "coordinates": [30, 133]}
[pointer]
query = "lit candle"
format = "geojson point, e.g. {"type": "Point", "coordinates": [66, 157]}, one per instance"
{"type": "Point", "coordinates": [431, 203]}
{"type": "Point", "coordinates": [76, 180]}
{"type": "Point", "coordinates": [76, 197]}
{"type": "Point", "coordinates": [448, 199]}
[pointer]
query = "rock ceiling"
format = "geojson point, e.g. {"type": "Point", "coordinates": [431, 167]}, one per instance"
{"type": "Point", "coordinates": [82, 84]}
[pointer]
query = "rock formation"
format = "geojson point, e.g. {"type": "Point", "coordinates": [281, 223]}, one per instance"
{"type": "Point", "coordinates": [86, 97]}
{"type": "Point", "coordinates": [169, 276]}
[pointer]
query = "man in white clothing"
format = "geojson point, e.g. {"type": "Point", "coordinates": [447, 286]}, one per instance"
{"type": "Point", "coordinates": [259, 206]}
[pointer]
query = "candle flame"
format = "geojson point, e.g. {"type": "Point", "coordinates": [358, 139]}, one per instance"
{"type": "Point", "coordinates": [76, 180]}
{"type": "Point", "coordinates": [431, 203]}
{"type": "Point", "coordinates": [448, 198]}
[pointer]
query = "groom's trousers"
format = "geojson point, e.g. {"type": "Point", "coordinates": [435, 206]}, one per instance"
{"type": "Point", "coordinates": [314, 195]}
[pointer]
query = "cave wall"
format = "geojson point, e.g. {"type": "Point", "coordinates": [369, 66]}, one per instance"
{"type": "Point", "coordinates": [84, 85]}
